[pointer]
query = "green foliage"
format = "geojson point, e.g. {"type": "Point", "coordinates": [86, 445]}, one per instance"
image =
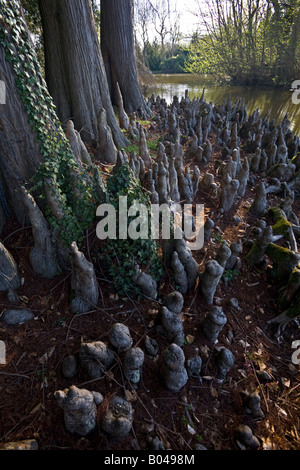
{"type": "Point", "coordinates": [97, 16]}
{"type": "Point", "coordinates": [151, 144]}
{"type": "Point", "coordinates": [294, 310]}
{"type": "Point", "coordinates": [152, 55]}
{"type": "Point", "coordinates": [230, 275]}
{"type": "Point", "coordinates": [72, 188]}
{"type": "Point", "coordinates": [34, 23]}
{"type": "Point", "coordinates": [218, 237]}
{"type": "Point", "coordinates": [284, 301]}
{"type": "Point", "coordinates": [250, 44]}
{"type": "Point", "coordinates": [282, 225]}
{"type": "Point", "coordinates": [174, 63]}
{"type": "Point", "coordinates": [164, 61]}
{"type": "Point", "coordinates": [46, 375]}
{"type": "Point", "coordinates": [123, 255]}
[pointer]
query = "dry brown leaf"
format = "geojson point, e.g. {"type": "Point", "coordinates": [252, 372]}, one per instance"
{"type": "Point", "coordinates": [267, 444]}
{"type": "Point", "coordinates": [190, 339]}
{"type": "Point", "coordinates": [130, 395]}
{"type": "Point", "coordinates": [110, 375]}
{"type": "Point", "coordinates": [152, 311]}
{"type": "Point", "coordinates": [292, 368]}
{"type": "Point", "coordinates": [286, 382]}
{"type": "Point", "coordinates": [44, 358]}
{"type": "Point", "coordinates": [45, 300]}
{"type": "Point", "coordinates": [38, 407]}
{"type": "Point", "coordinates": [190, 429]}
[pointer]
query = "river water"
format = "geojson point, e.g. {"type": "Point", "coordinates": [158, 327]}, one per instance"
{"type": "Point", "coordinates": [278, 101]}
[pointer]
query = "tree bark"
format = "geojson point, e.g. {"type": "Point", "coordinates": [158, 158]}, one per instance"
{"type": "Point", "coordinates": [117, 45]}
{"type": "Point", "coordinates": [19, 151]}
{"type": "Point", "coordinates": [34, 151]}
{"type": "Point", "coordinates": [75, 71]}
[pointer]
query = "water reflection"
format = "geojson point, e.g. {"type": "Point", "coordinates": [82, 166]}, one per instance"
{"type": "Point", "coordinates": [279, 102]}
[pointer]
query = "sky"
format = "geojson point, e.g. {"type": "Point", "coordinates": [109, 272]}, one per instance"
{"type": "Point", "coordinates": [188, 22]}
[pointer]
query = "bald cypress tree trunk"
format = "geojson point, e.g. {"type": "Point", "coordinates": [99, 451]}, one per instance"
{"type": "Point", "coordinates": [34, 151]}
{"type": "Point", "coordinates": [75, 72]}
{"type": "Point", "coordinates": [20, 154]}
{"type": "Point", "coordinates": [118, 51]}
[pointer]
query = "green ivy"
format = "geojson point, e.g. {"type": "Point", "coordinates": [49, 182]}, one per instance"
{"type": "Point", "coordinates": [123, 255]}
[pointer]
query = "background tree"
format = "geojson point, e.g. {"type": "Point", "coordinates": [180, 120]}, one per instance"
{"type": "Point", "coordinates": [175, 32]}
{"type": "Point", "coordinates": [162, 50]}
{"type": "Point", "coordinates": [162, 21]}
{"type": "Point", "coordinates": [143, 15]}
{"type": "Point", "coordinates": [118, 50]}
{"type": "Point", "coordinates": [71, 45]}
{"type": "Point", "coordinates": [250, 43]}
{"type": "Point", "coordinates": [284, 34]}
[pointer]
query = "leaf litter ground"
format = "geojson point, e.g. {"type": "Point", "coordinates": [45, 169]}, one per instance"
{"type": "Point", "coordinates": [203, 412]}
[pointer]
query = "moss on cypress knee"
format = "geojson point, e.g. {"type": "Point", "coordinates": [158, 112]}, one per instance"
{"type": "Point", "coordinates": [282, 225]}
{"type": "Point", "coordinates": [284, 261]}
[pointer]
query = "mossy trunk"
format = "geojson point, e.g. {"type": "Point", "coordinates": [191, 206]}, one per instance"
{"type": "Point", "coordinates": [284, 262]}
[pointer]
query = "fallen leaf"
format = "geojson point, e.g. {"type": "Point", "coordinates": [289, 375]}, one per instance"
{"type": "Point", "coordinates": [45, 300]}
{"type": "Point", "coordinates": [44, 383]}
{"type": "Point", "coordinates": [214, 392]}
{"type": "Point", "coordinates": [242, 372]}
{"type": "Point", "coordinates": [38, 407]}
{"type": "Point", "coordinates": [292, 368]}
{"type": "Point", "coordinates": [110, 375]}
{"type": "Point", "coordinates": [44, 358]}
{"type": "Point", "coordinates": [190, 339]}
{"type": "Point", "coordinates": [114, 296]}
{"type": "Point", "coordinates": [190, 429]}
{"type": "Point", "coordinates": [281, 411]}
{"type": "Point", "coordinates": [286, 382]}
{"type": "Point", "coordinates": [267, 444]}
{"type": "Point", "coordinates": [130, 396]}
{"type": "Point", "coordinates": [244, 343]}
{"type": "Point", "coordinates": [152, 311]}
